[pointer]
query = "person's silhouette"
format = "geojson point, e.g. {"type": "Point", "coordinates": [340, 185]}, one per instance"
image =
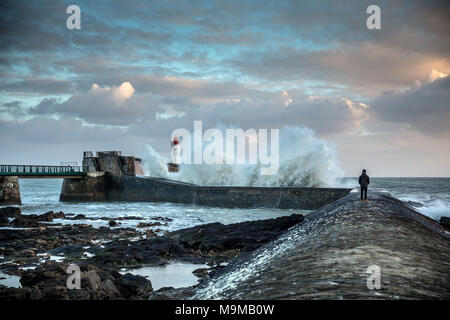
{"type": "Point", "coordinates": [364, 182]}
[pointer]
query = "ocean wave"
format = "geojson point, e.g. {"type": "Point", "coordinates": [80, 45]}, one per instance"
{"type": "Point", "coordinates": [304, 160]}
{"type": "Point", "coordinates": [436, 209]}
{"type": "Point", "coordinates": [428, 205]}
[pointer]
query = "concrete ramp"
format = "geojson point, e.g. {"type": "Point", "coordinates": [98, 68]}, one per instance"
{"type": "Point", "coordinates": [328, 256]}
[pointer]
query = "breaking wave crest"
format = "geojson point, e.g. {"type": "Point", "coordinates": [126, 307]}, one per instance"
{"type": "Point", "coordinates": [305, 160]}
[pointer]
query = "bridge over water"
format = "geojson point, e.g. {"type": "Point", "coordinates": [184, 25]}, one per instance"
{"type": "Point", "coordinates": [11, 173]}
{"type": "Point", "coordinates": [42, 171]}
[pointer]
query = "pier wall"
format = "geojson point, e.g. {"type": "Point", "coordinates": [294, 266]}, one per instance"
{"type": "Point", "coordinates": [93, 187]}
{"type": "Point", "coordinates": [111, 187]}
{"type": "Point", "coordinates": [113, 177]}
{"type": "Point", "coordinates": [9, 190]}
{"type": "Point", "coordinates": [269, 197]}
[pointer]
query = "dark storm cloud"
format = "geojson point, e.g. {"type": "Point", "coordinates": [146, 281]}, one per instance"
{"type": "Point", "coordinates": [39, 86]}
{"type": "Point", "coordinates": [53, 131]}
{"type": "Point", "coordinates": [425, 107]}
{"type": "Point", "coordinates": [13, 108]}
{"type": "Point", "coordinates": [233, 40]}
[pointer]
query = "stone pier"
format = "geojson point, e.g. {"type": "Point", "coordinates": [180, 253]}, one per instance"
{"type": "Point", "coordinates": [114, 178]}
{"type": "Point", "coordinates": [9, 190]}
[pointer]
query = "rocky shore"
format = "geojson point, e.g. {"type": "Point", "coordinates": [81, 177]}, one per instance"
{"type": "Point", "coordinates": [324, 255]}
{"type": "Point", "coordinates": [39, 249]}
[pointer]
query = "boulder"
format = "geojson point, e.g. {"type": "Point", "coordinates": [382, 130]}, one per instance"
{"type": "Point", "coordinates": [135, 285]}
{"type": "Point", "coordinates": [112, 223]}
{"type": "Point", "coordinates": [216, 237]}
{"type": "Point", "coordinates": [10, 212]}
{"type": "Point", "coordinates": [148, 224]}
{"type": "Point", "coordinates": [445, 222]}
{"type": "Point", "coordinates": [47, 217]}
{"type": "Point", "coordinates": [25, 221]}
{"type": "Point", "coordinates": [59, 215]}
{"type": "Point", "coordinates": [50, 281]}
{"type": "Point", "coordinates": [4, 221]}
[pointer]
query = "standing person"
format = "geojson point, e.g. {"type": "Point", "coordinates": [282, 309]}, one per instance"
{"type": "Point", "coordinates": [364, 182]}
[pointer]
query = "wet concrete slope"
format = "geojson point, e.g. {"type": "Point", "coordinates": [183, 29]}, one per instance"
{"type": "Point", "coordinates": [327, 257]}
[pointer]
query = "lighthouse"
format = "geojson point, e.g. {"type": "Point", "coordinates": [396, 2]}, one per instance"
{"type": "Point", "coordinates": [174, 165]}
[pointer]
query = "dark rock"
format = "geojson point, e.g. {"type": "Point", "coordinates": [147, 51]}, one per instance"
{"type": "Point", "coordinates": [55, 293]}
{"type": "Point", "coordinates": [50, 281]}
{"type": "Point", "coordinates": [47, 217]}
{"type": "Point", "coordinates": [25, 221]}
{"type": "Point", "coordinates": [244, 236]}
{"type": "Point", "coordinates": [19, 293]}
{"type": "Point", "coordinates": [4, 221]}
{"type": "Point", "coordinates": [150, 233]}
{"type": "Point", "coordinates": [59, 215]}
{"type": "Point", "coordinates": [129, 218]}
{"type": "Point", "coordinates": [162, 219]}
{"type": "Point", "coordinates": [79, 217]}
{"type": "Point", "coordinates": [135, 285]}
{"type": "Point", "coordinates": [201, 272]}
{"type": "Point", "coordinates": [10, 212]}
{"type": "Point", "coordinates": [112, 223]}
{"type": "Point", "coordinates": [148, 224]}
{"type": "Point", "coordinates": [69, 250]}
{"type": "Point", "coordinates": [170, 293]}
{"type": "Point", "coordinates": [156, 251]}
{"type": "Point", "coordinates": [445, 222]}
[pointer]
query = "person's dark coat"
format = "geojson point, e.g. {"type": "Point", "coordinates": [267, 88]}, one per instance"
{"type": "Point", "coordinates": [364, 180]}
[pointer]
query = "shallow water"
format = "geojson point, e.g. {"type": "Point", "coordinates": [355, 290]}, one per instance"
{"type": "Point", "coordinates": [176, 275]}
{"type": "Point", "coordinates": [10, 281]}
{"type": "Point", "coordinates": [42, 195]}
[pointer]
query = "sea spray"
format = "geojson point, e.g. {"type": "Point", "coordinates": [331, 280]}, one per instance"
{"type": "Point", "coordinates": [155, 165]}
{"type": "Point", "coordinates": [305, 160]}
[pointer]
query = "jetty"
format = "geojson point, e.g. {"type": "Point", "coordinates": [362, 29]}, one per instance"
{"type": "Point", "coordinates": [110, 176]}
{"type": "Point", "coordinates": [338, 252]}
{"type": "Point", "coordinates": [113, 177]}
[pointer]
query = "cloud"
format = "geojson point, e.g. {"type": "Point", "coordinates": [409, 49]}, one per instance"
{"type": "Point", "coordinates": [39, 86]}
{"type": "Point", "coordinates": [436, 75]}
{"type": "Point", "coordinates": [234, 41]}
{"type": "Point", "coordinates": [114, 105]}
{"type": "Point", "coordinates": [188, 100]}
{"type": "Point", "coordinates": [424, 107]}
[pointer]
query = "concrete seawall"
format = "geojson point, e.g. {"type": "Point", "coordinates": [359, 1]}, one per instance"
{"type": "Point", "coordinates": [113, 177]}
{"type": "Point", "coordinates": [111, 187]}
{"type": "Point", "coordinates": [327, 257]}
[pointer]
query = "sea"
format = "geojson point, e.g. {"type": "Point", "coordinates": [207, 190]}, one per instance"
{"type": "Point", "coordinates": [429, 196]}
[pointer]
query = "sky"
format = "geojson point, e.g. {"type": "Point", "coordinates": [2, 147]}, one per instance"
{"type": "Point", "coordinates": [137, 70]}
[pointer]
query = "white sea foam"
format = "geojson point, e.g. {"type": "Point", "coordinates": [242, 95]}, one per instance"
{"type": "Point", "coordinates": [433, 205]}
{"type": "Point", "coordinates": [436, 209]}
{"type": "Point", "coordinates": [305, 160]}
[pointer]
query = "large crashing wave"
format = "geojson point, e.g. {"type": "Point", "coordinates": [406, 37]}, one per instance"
{"type": "Point", "coordinates": [305, 160]}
